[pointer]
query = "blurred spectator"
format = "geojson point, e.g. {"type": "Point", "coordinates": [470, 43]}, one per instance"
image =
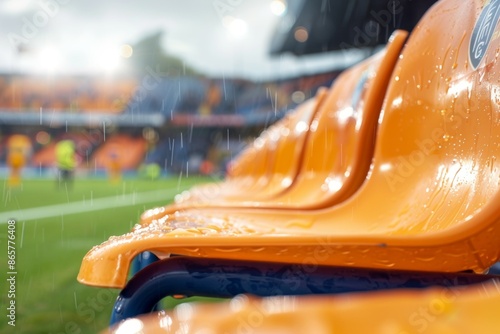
{"type": "Point", "coordinates": [114, 168]}
{"type": "Point", "coordinates": [16, 161]}
{"type": "Point", "coordinates": [18, 151]}
{"type": "Point", "coordinates": [212, 99]}
{"type": "Point", "coordinates": [66, 161]}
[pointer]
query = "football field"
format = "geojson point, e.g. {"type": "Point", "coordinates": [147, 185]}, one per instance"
{"type": "Point", "coordinates": [54, 227]}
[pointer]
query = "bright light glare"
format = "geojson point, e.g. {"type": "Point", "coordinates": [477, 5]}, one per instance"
{"type": "Point", "coordinates": [109, 59]}
{"type": "Point", "coordinates": [385, 167]}
{"type": "Point", "coordinates": [16, 6]}
{"type": "Point", "coordinates": [126, 51]}
{"type": "Point", "coordinates": [278, 7]}
{"type": "Point", "coordinates": [459, 87]}
{"type": "Point", "coordinates": [49, 58]}
{"type": "Point", "coordinates": [301, 127]}
{"type": "Point", "coordinates": [332, 184]}
{"type": "Point", "coordinates": [130, 326]}
{"type": "Point", "coordinates": [345, 115]}
{"type": "Point", "coordinates": [236, 26]}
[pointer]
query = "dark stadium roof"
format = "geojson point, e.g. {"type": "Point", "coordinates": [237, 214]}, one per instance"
{"type": "Point", "coordinates": [326, 25]}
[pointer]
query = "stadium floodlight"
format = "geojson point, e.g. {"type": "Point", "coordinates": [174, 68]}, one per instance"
{"type": "Point", "coordinates": [278, 7]}
{"type": "Point", "coordinates": [109, 59]}
{"type": "Point", "coordinates": [126, 51]}
{"type": "Point", "coordinates": [16, 6]}
{"type": "Point", "coordinates": [49, 59]}
{"type": "Point", "coordinates": [235, 26]}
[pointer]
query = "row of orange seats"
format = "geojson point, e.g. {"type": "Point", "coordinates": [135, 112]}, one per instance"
{"type": "Point", "coordinates": [65, 94]}
{"type": "Point", "coordinates": [393, 168]}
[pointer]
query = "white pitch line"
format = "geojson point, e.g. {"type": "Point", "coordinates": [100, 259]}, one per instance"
{"type": "Point", "coordinates": [85, 206]}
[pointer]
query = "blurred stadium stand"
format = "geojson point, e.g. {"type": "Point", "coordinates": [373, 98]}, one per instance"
{"type": "Point", "coordinates": [178, 121]}
{"type": "Point", "coordinates": [145, 122]}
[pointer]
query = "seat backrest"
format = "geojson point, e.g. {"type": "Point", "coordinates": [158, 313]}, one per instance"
{"type": "Point", "coordinates": [277, 151]}
{"type": "Point", "coordinates": [431, 197]}
{"type": "Point", "coordinates": [443, 114]}
{"type": "Point", "coordinates": [285, 164]}
{"type": "Point", "coordinates": [252, 161]}
{"type": "Point", "coordinates": [339, 149]}
{"type": "Point", "coordinates": [286, 144]}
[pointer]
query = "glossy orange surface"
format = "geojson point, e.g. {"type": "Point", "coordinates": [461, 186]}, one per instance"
{"type": "Point", "coordinates": [430, 202]}
{"type": "Point", "coordinates": [282, 143]}
{"type": "Point", "coordinates": [438, 311]}
{"type": "Point", "coordinates": [336, 156]}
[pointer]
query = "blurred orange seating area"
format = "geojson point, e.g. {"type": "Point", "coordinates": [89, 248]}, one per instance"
{"type": "Point", "coordinates": [127, 150]}
{"type": "Point", "coordinates": [95, 152]}
{"type": "Point", "coordinates": [69, 94]}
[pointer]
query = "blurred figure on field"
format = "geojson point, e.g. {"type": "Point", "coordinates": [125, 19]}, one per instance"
{"type": "Point", "coordinates": [15, 161]}
{"type": "Point", "coordinates": [18, 150]}
{"type": "Point", "coordinates": [66, 161]}
{"type": "Point", "coordinates": [213, 98]}
{"type": "Point", "coordinates": [114, 168]}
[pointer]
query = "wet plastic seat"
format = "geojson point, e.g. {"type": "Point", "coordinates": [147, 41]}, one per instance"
{"type": "Point", "coordinates": [282, 144]}
{"type": "Point", "coordinates": [245, 174]}
{"type": "Point", "coordinates": [338, 150]}
{"type": "Point", "coordinates": [473, 309]}
{"type": "Point", "coordinates": [430, 202]}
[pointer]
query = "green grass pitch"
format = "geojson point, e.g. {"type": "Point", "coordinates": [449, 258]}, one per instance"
{"type": "Point", "coordinates": [49, 250]}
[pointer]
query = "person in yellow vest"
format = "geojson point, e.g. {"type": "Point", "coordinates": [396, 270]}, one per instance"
{"type": "Point", "coordinates": [66, 160]}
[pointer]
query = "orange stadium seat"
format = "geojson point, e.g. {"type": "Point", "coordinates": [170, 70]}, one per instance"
{"type": "Point", "coordinates": [277, 151]}
{"type": "Point", "coordinates": [430, 201]}
{"type": "Point", "coordinates": [338, 151]}
{"type": "Point", "coordinates": [283, 145]}
{"type": "Point", "coordinates": [473, 309]}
